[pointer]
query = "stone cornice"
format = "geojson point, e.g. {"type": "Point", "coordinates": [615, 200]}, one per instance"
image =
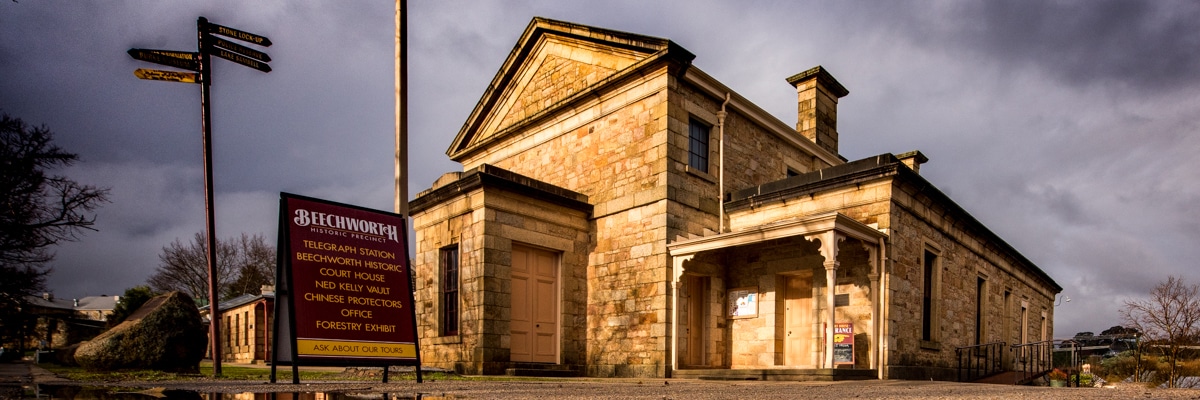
{"type": "Point", "coordinates": [808, 226]}
{"type": "Point", "coordinates": [486, 176]}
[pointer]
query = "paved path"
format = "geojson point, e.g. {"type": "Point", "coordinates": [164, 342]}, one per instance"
{"type": "Point", "coordinates": [15, 373]}
{"type": "Point", "coordinates": [18, 375]}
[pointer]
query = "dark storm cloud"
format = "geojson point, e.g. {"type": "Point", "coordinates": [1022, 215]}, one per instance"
{"type": "Point", "coordinates": [1140, 44]}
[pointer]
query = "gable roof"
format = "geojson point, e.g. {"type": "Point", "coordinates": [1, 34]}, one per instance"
{"type": "Point", "coordinates": [575, 59]}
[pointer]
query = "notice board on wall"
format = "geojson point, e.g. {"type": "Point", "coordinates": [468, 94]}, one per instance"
{"type": "Point", "coordinates": [344, 293]}
{"type": "Point", "coordinates": [743, 302]}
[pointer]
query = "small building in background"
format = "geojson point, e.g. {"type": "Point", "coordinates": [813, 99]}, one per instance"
{"type": "Point", "coordinates": [51, 322]}
{"type": "Point", "coordinates": [246, 323]}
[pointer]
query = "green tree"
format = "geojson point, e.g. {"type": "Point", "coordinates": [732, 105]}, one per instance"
{"type": "Point", "coordinates": [133, 299]}
{"type": "Point", "coordinates": [37, 210]}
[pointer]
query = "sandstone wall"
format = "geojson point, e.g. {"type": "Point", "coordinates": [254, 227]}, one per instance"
{"type": "Point", "coordinates": [611, 148]}
{"type": "Point", "coordinates": [484, 224]}
{"type": "Point", "coordinates": [918, 223]}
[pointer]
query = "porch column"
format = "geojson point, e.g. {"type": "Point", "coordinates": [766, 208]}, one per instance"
{"type": "Point", "coordinates": [873, 262]}
{"type": "Point", "coordinates": [829, 249]}
{"type": "Point", "coordinates": [676, 274]}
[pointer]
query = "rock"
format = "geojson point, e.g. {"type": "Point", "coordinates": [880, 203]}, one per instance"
{"type": "Point", "coordinates": [165, 334]}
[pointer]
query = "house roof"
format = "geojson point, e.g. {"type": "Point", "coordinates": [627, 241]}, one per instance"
{"type": "Point", "coordinates": [498, 111]}
{"type": "Point", "coordinates": [244, 300]}
{"type": "Point", "coordinates": [50, 302]}
{"type": "Point", "coordinates": [98, 303]}
{"type": "Point", "coordinates": [868, 169]}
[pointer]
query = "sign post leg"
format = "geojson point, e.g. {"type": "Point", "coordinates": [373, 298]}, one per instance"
{"type": "Point", "coordinates": [214, 325]}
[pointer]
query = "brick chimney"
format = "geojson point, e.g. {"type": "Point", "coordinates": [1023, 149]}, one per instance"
{"type": "Point", "coordinates": [817, 98]}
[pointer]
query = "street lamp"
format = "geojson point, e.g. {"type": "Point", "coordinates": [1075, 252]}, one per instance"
{"type": "Point", "coordinates": [1060, 300]}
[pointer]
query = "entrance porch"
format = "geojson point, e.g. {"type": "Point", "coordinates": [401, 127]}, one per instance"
{"type": "Point", "coordinates": [760, 303]}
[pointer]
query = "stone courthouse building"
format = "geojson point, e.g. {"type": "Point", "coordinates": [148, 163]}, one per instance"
{"type": "Point", "coordinates": [622, 213]}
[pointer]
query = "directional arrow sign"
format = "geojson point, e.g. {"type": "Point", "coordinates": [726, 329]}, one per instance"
{"type": "Point", "coordinates": [231, 46]}
{"type": "Point", "coordinates": [239, 35]}
{"type": "Point", "coordinates": [240, 59]}
{"type": "Point", "coordinates": [160, 75]}
{"type": "Point", "coordinates": [177, 59]}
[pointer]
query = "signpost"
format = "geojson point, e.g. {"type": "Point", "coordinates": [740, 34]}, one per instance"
{"type": "Point", "coordinates": [343, 287]}
{"type": "Point", "coordinates": [225, 44]}
{"type": "Point", "coordinates": [177, 59]}
{"type": "Point", "coordinates": [240, 59]}
{"type": "Point", "coordinates": [235, 34]}
{"type": "Point", "coordinates": [200, 63]}
{"type": "Point", "coordinates": [160, 75]}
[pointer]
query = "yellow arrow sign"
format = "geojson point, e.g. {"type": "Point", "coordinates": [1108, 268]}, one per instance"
{"type": "Point", "coordinates": [160, 75]}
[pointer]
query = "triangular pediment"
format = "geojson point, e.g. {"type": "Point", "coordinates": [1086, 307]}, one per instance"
{"type": "Point", "coordinates": [552, 63]}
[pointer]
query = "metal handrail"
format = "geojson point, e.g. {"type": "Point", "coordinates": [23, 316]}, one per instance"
{"type": "Point", "coordinates": [1032, 360]}
{"type": "Point", "coordinates": [980, 360]}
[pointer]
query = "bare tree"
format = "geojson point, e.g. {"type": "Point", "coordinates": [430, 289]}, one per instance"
{"type": "Point", "coordinates": [243, 266]}
{"type": "Point", "coordinates": [37, 210]}
{"type": "Point", "coordinates": [1170, 315]}
{"type": "Point", "coordinates": [255, 265]}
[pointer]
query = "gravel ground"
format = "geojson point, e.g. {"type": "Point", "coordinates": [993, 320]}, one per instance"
{"type": "Point", "coordinates": [602, 389]}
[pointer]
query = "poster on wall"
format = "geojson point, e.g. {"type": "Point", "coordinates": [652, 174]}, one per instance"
{"type": "Point", "coordinates": [843, 343]}
{"type": "Point", "coordinates": [743, 302]}
{"type": "Point", "coordinates": [344, 286]}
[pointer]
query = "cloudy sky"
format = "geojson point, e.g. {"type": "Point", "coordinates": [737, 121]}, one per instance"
{"type": "Point", "coordinates": [1068, 128]}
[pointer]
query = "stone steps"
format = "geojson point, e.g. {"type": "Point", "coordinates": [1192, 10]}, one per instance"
{"type": "Point", "coordinates": [544, 370]}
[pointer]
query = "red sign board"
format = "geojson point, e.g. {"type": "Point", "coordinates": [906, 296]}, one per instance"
{"type": "Point", "coordinates": [843, 343]}
{"type": "Point", "coordinates": [347, 282]}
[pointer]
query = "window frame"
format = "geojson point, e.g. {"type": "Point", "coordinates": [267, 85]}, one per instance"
{"type": "Point", "coordinates": [931, 285]}
{"type": "Point", "coordinates": [699, 159]}
{"type": "Point", "coordinates": [449, 274]}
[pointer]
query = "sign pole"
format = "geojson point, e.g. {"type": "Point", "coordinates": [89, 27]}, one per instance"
{"type": "Point", "coordinates": [199, 63]}
{"type": "Point", "coordinates": [210, 227]}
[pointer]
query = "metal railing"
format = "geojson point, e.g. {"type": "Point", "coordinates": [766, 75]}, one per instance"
{"type": "Point", "coordinates": [979, 361]}
{"type": "Point", "coordinates": [1032, 360]}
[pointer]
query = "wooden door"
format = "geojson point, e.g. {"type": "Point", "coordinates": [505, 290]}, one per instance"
{"type": "Point", "coordinates": [798, 313]}
{"type": "Point", "coordinates": [697, 288]}
{"type": "Point", "coordinates": [534, 324]}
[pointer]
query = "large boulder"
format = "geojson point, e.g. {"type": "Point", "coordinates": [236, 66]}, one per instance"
{"type": "Point", "coordinates": [165, 334]}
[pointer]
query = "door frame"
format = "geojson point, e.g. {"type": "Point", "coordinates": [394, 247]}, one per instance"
{"type": "Point", "coordinates": [558, 297]}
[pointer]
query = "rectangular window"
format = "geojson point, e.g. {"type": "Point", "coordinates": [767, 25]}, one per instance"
{"type": "Point", "coordinates": [698, 145]}
{"type": "Point", "coordinates": [929, 282]}
{"type": "Point", "coordinates": [1024, 323]}
{"type": "Point", "coordinates": [1045, 328]}
{"type": "Point", "coordinates": [449, 286]}
{"type": "Point", "coordinates": [980, 308]}
{"type": "Point", "coordinates": [246, 328]}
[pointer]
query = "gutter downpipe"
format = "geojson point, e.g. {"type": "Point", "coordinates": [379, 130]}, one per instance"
{"type": "Point", "coordinates": [721, 172]}
{"type": "Point", "coordinates": [882, 332]}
